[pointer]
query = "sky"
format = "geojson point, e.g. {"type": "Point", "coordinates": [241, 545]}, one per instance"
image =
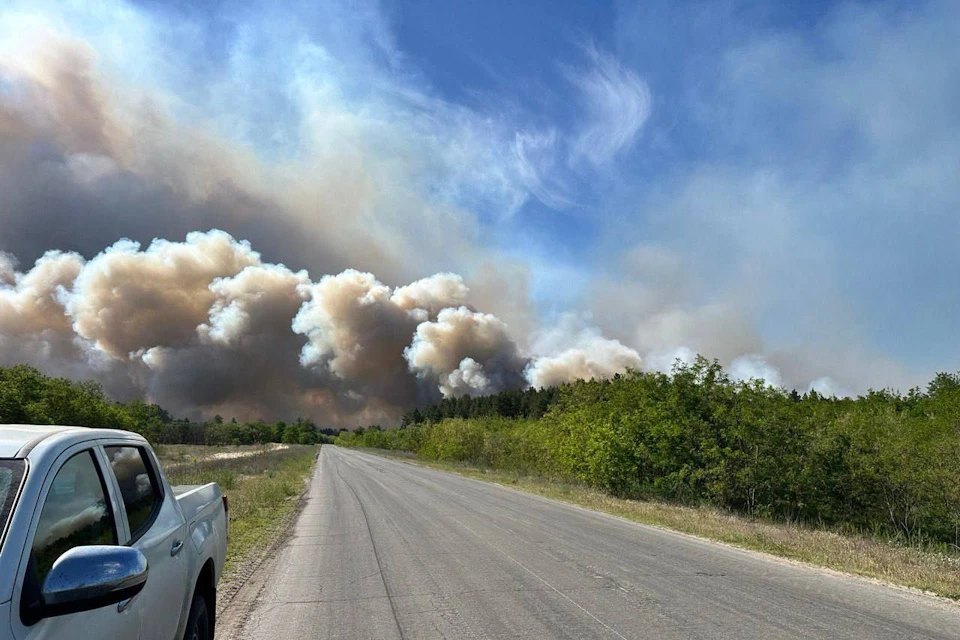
{"type": "Point", "coordinates": [382, 203]}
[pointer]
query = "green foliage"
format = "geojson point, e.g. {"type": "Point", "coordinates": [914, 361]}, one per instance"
{"type": "Point", "coordinates": [29, 397]}
{"type": "Point", "coordinates": [513, 403]}
{"type": "Point", "coordinates": [883, 463]}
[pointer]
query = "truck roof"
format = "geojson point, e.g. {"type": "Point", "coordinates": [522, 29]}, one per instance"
{"type": "Point", "coordinates": [16, 440]}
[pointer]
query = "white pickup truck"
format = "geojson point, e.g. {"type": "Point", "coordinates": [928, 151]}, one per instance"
{"type": "Point", "coordinates": [95, 543]}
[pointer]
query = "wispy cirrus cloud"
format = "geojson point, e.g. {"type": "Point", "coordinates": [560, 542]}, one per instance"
{"type": "Point", "coordinates": [616, 103]}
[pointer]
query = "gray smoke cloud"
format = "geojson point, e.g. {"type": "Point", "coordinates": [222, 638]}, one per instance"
{"type": "Point", "coordinates": [241, 359]}
{"type": "Point", "coordinates": [8, 264]}
{"type": "Point", "coordinates": [85, 160]}
{"type": "Point", "coordinates": [205, 326]}
{"type": "Point", "coordinates": [357, 329]}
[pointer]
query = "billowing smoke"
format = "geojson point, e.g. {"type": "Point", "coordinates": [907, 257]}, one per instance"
{"type": "Point", "coordinates": [241, 357]}
{"type": "Point", "coordinates": [86, 158]}
{"type": "Point", "coordinates": [357, 329]}
{"type": "Point", "coordinates": [126, 300]}
{"type": "Point", "coordinates": [754, 367]}
{"type": "Point", "coordinates": [427, 297]}
{"type": "Point", "coordinates": [205, 326]}
{"type": "Point", "coordinates": [466, 353]}
{"type": "Point", "coordinates": [596, 358]}
{"type": "Point", "coordinates": [7, 268]}
{"type": "Point", "coordinates": [33, 325]}
{"type": "Point", "coordinates": [576, 350]}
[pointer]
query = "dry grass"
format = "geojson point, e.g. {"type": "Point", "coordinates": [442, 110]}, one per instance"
{"type": "Point", "coordinates": [263, 486]}
{"type": "Point", "coordinates": [937, 573]}
{"type": "Point", "coordinates": [177, 455]}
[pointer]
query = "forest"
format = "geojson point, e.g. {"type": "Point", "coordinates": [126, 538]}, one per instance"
{"type": "Point", "coordinates": [884, 464]}
{"type": "Point", "coordinates": [513, 403]}
{"type": "Point", "coordinates": [30, 397]}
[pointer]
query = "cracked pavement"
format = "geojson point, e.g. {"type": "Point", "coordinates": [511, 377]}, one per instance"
{"type": "Point", "coordinates": [385, 549]}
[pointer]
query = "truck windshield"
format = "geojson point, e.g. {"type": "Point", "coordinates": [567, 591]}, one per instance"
{"type": "Point", "coordinates": [11, 472]}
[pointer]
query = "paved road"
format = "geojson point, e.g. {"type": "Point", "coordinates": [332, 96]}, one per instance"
{"type": "Point", "coordinates": [386, 549]}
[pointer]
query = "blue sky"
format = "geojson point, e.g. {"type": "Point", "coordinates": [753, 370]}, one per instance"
{"type": "Point", "coordinates": [760, 180]}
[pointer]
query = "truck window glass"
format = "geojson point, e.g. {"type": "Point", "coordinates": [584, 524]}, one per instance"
{"type": "Point", "coordinates": [137, 486]}
{"type": "Point", "coordinates": [76, 512]}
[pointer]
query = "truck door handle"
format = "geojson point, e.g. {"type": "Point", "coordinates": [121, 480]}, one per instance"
{"type": "Point", "coordinates": [177, 546]}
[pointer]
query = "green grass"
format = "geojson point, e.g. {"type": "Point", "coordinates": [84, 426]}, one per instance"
{"type": "Point", "coordinates": [933, 572]}
{"type": "Point", "coordinates": [262, 486]}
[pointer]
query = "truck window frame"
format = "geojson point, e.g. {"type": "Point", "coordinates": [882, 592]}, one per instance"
{"type": "Point", "coordinates": [155, 482]}
{"type": "Point", "coordinates": [13, 498]}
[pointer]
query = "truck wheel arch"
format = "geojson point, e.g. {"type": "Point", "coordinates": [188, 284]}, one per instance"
{"type": "Point", "coordinates": [206, 586]}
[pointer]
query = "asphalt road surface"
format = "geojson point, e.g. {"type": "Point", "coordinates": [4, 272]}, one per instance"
{"type": "Point", "coordinates": [386, 549]}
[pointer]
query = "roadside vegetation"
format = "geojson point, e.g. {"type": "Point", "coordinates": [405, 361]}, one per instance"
{"type": "Point", "coordinates": [742, 462]}
{"type": "Point", "coordinates": [30, 397]}
{"type": "Point", "coordinates": [262, 485]}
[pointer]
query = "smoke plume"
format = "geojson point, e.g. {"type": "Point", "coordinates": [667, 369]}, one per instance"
{"type": "Point", "coordinates": [206, 326]}
{"type": "Point", "coordinates": [465, 352]}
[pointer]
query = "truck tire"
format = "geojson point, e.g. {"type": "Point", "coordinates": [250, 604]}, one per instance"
{"type": "Point", "coordinates": [198, 622]}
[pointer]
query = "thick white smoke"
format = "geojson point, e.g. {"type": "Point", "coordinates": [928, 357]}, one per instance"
{"type": "Point", "coordinates": [754, 367]}
{"type": "Point", "coordinates": [32, 319]}
{"type": "Point", "coordinates": [575, 350]}
{"type": "Point", "coordinates": [205, 326]}
{"type": "Point", "coordinates": [466, 352]}
{"type": "Point", "coordinates": [598, 358]}
{"type": "Point", "coordinates": [357, 329]}
{"type": "Point", "coordinates": [125, 299]}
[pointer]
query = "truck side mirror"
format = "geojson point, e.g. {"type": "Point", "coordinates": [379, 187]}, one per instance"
{"type": "Point", "coordinates": [94, 576]}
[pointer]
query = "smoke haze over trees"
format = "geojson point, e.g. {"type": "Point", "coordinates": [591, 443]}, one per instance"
{"type": "Point", "coordinates": [29, 397]}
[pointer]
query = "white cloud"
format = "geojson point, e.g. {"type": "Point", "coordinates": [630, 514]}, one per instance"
{"type": "Point", "coordinates": [616, 101]}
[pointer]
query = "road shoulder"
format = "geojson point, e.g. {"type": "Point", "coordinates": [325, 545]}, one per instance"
{"type": "Point", "coordinates": [235, 602]}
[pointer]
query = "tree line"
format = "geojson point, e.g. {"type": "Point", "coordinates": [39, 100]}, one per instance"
{"type": "Point", "coordinates": [30, 397]}
{"type": "Point", "coordinates": [513, 403]}
{"type": "Point", "coordinates": [884, 463]}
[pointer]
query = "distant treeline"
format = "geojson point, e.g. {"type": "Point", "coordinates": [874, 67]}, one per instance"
{"type": "Point", "coordinates": [29, 397]}
{"type": "Point", "coordinates": [885, 463]}
{"type": "Point", "coordinates": [515, 403]}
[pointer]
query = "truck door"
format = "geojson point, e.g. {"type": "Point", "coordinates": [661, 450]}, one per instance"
{"type": "Point", "coordinates": [74, 509]}
{"type": "Point", "coordinates": [157, 529]}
